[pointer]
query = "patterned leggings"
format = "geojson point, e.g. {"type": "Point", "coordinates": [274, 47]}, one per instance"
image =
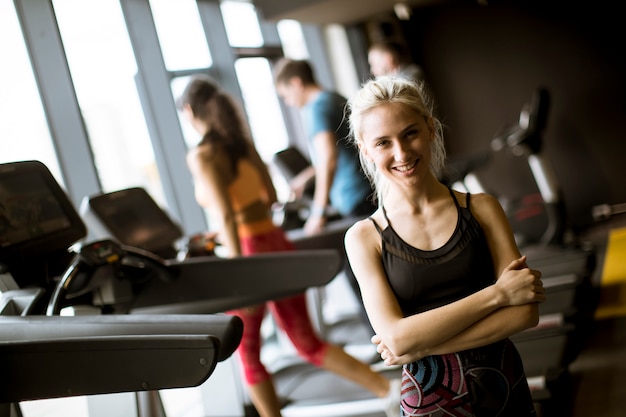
{"type": "Point", "coordinates": [290, 314]}
{"type": "Point", "coordinates": [487, 381]}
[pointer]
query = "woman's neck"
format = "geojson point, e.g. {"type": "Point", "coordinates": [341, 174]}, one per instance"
{"type": "Point", "coordinates": [417, 197]}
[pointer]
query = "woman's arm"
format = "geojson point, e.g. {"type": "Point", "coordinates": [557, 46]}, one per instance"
{"type": "Point", "coordinates": [208, 168]}
{"type": "Point", "coordinates": [505, 321]}
{"type": "Point", "coordinates": [496, 326]}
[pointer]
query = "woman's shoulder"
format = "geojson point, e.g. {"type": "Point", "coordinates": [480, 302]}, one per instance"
{"type": "Point", "coordinates": [206, 152]}
{"type": "Point", "coordinates": [475, 200]}
{"type": "Point", "coordinates": [484, 201]}
{"type": "Point", "coordinates": [484, 207]}
{"type": "Point", "coordinates": [207, 157]}
{"type": "Point", "coordinates": [365, 228]}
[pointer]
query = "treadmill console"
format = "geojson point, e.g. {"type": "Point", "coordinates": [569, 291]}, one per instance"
{"type": "Point", "coordinates": [133, 218]}
{"type": "Point", "coordinates": [37, 219]}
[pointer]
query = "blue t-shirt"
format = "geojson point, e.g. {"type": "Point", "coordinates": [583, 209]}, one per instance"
{"type": "Point", "coordinates": [350, 188]}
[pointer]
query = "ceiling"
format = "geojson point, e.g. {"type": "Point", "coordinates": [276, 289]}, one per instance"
{"type": "Point", "coordinates": [331, 11]}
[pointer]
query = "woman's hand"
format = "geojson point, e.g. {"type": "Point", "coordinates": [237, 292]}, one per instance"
{"type": "Point", "coordinates": [518, 284]}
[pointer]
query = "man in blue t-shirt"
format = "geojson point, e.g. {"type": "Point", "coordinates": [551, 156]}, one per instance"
{"type": "Point", "coordinates": [339, 181]}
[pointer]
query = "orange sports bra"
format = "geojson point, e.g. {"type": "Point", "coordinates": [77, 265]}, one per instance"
{"type": "Point", "coordinates": [249, 200]}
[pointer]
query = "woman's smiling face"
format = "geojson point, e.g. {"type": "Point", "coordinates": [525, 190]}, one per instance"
{"type": "Point", "coordinates": [397, 140]}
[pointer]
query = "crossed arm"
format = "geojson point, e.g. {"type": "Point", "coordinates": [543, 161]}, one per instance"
{"type": "Point", "coordinates": [498, 311]}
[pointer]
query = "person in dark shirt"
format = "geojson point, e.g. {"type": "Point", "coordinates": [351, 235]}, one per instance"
{"type": "Point", "coordinates": [441, 277]}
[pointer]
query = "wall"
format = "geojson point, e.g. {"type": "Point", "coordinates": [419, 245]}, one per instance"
{"type": "Point", "coordinates": [484, 62]}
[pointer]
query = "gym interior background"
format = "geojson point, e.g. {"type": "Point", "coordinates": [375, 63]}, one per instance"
{"type": "Point", "coordinates": [482, 61]}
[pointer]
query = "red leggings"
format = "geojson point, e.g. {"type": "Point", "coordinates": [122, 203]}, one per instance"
{"type": "Point", "coordinates": [290, 314]}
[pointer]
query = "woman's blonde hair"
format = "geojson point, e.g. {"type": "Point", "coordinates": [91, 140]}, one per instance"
{"type": "Point", "coordinates": [394, 89]}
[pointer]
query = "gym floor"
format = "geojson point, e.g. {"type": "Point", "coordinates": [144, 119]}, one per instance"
{"type": "Point", "coordinates": [597, 377]}
{"type": "Point", "coordinates": [598, 374]}
{"type": "Point", "coordinates": [595, 383]}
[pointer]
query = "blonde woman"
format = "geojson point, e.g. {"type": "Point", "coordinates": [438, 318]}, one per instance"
{"type": "Point", "coordinates": [443, 282]}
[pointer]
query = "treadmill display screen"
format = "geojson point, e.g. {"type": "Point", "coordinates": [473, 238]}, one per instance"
{"type": "Point", "coordinates": [35, 213]}
{"type": "Point", "coordinates": [28, 210]}
{"type": "Point", "coordinates": [135, 219]}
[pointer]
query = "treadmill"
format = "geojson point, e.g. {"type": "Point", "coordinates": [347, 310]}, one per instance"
{"type": "Point", "coordinates": [162, 310]}
{"type": "Point", "coordinates": [45, 357]}
{"type": "Point", "coordinates": [304, 389]}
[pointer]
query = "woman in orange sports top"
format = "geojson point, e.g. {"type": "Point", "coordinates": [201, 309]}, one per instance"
{"type": "Point", "coordinates": [233, 183]}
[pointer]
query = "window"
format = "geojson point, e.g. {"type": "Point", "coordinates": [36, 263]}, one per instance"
{"type": "Point", "coordinates": [24, 133]}
{"type": "Point", "coordinates": [257, 86]}
{"type": "Point", "coordinates": [242, 24]}
{"type": "Point", "coordinates": [292, 39]}
{"type": "Point", "coordinates": [263, 109]}
{"type": "Point", "coordinates": [103, 67]}
{"type": "Point", "coordinates": [177, 24]}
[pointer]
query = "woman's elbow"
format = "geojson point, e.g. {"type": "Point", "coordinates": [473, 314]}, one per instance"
{"type": "Point", "coordinates": [399, 343]}
{"type": "Point", "coordinates": [530, 316]}
{"type": "Point", "coordinates": [396, 346]}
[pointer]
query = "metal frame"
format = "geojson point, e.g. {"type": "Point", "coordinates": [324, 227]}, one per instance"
{"type": "Point", "coordinates": [60, 105]}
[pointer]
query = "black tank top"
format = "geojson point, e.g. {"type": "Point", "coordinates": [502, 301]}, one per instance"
{"type": "Point", "coordinates": [423, 280]}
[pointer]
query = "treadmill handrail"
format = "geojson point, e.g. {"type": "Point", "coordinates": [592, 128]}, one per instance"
{"type": "Point", "coordinates": [206, 285]}
{"type": "Point", "coordinates": [214, 285]}
{"type": "Point", "coordinates": [227, 328]}
{"type": "Point", "coordinates": [104, 364]}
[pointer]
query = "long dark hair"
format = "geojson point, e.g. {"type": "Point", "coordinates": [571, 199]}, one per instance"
{"type": "Point", "coordinates": [226, 126]}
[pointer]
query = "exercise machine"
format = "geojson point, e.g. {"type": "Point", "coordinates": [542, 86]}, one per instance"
{"type": "Point", "coordinates": [305, 389]}
{"type": "Point", "coordinates": [52, 357]}
{"type": "Point", "coordinates": [292, 215]}
{"type": "Point", "coordinates": [539, 222]}
{"type": "Point", "coordinates": [166, 308]}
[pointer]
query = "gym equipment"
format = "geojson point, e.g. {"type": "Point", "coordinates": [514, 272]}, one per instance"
{"type": "Point", "coordinates": [293, 377]}
{"type": "Point", "coordinates": [535, 217]}
{"type": "Point", "coordinates": [290, 162]}
{"type": "Point", "coordinates": [292, 215]}
{"type": "Point", "coordinates": [538, 221]}
{"type": "Point", "coordinates": [123, 218]}
{"type": "Point", "coordinates": [39, 224]}
{"type": "Point", "coordinates": [124, 280]}
{"type": "Point", "coordinates": [133, 215]}
{"type": "Point", "coordinates": [526, 139]}
{"type": "Point", "coordinates": [51, 357]}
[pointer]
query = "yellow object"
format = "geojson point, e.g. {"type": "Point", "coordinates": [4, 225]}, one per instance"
{"type": "Point", "coordinates": [613, 282]}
